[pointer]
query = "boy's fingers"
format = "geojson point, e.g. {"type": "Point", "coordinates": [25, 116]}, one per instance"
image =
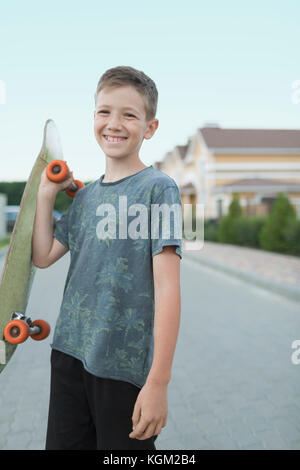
{"type": "Point", "coordinates": [136, 415]}
{"type": "Point", "coordinates": [137, 433]}
{"type": "Point", "coordinates": [143, 433]}
{"type": "Point", "coordinates": [139, 429]}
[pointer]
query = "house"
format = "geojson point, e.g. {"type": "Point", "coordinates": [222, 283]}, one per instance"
{"type": "Point", "coordinates": [255, 163]}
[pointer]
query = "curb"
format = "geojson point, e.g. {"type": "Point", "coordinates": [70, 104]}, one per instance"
{"type": "Point", "coordinates": [288, 291]}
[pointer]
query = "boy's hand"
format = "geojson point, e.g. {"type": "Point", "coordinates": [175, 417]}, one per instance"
{"type": "Point", "coordinates": [150, 412]}
{"type": "Point", "coordinates": [53, 187]}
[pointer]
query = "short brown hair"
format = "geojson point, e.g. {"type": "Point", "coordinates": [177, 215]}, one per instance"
{"type": "Point", "coordinates": [125, 75]}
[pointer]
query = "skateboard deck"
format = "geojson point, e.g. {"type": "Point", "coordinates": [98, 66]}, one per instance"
{"type": "Point", "coordinates": [18, 271]}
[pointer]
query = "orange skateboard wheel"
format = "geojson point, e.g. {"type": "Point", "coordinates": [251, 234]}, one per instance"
{"type": "Point", "coordinates": [44, 327]}
{"type": "Point", "coordinates": [57, 171]}
{"type": "Point", "coordinates": [16, 331]}
{"type": "Point", "coordinates": [72, 192]}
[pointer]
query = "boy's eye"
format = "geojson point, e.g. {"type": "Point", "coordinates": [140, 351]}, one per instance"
{"type": "Point", "coordinates": [105, 111]}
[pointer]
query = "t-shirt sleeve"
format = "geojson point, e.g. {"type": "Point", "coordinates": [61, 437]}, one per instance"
{"type": "Point", "coordinates": [61, 228]}
{"type": "Point", "coordinates": [166, 220]}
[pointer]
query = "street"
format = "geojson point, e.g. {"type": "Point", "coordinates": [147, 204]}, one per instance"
{"type": "Point", "coordinates": [233, 383]}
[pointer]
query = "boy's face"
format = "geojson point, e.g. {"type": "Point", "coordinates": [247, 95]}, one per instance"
{"type": "Point", "coordinates": [120, 112]}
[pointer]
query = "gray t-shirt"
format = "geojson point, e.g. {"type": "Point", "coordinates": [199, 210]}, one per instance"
{"type": "Point", "coordinates": [107, 313]}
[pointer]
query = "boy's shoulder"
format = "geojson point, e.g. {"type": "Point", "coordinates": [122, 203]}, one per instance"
{"type": "Point", "coordinates": [87, 188]}
{"type": "Point", "coordinates": [162, 178]}
{"type": "Point", "coordinates": [159, 181]}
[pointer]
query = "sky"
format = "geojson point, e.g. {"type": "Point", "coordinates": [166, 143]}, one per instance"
{"type": "Point", "coordinates": [233, 63]}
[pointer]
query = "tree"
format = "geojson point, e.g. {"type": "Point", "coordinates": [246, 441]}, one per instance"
{"type": "Point", "coordinates": [226, 232]}
{"type": "Point", "coordinates": [272, 236]}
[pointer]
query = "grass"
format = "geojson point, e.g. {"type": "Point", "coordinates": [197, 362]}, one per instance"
{"type": "Point", "coordinates": [5, 241]}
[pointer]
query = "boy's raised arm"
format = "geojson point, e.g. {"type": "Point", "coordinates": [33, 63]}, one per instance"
{"type": "Point", "coordinates": [45, 248]}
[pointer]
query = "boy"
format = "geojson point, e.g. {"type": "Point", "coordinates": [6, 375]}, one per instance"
{"type": "Point", "coordinates": [109, 369]}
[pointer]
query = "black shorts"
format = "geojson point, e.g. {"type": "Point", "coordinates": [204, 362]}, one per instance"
{"type": "Point", "coordinates": [89, 412]}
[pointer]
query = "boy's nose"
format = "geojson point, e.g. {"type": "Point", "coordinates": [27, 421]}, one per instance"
{"type": "Point", "coordinates": [114, 123]}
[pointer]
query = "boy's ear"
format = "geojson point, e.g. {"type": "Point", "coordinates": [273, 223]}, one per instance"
{"type": "Point", "coordinates": [152, 126]}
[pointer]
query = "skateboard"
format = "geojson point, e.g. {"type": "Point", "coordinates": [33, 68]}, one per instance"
{"type": "Point", "coordinates": [18, 271]}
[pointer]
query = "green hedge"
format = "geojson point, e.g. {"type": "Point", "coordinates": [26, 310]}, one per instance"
{"type": "Point", "coordinates": [291, 235]}
{"type": "Point", "coordinates": [278, 232]}
{"type": "Point", "coordinates": [211, 230]}
{"type": "Point", "coordinates": [227, 229]}
{"type": "Point", "coordinates": [273, 236]}
{"type": "Point", "coordinates": [247, 230]}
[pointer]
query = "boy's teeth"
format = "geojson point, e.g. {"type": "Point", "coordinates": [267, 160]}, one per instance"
{"type": "Point", "coordinates": [114, 139]}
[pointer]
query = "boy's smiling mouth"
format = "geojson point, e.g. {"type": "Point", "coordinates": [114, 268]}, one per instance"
{"type": "Point", "coordinates": [114, 139]}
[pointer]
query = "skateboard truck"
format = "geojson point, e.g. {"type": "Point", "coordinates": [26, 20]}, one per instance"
{"type": "Point", "coordinates": [58, 171]}
{"type": "Point", "coordinates": [21, 327]}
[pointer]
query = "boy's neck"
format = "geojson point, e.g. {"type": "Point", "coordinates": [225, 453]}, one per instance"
{"type": "Point", "coordinates": [116, 170]}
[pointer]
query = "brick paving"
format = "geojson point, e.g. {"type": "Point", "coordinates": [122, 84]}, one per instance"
{"type": "Point", "coordinates": [276, 267]}
{"type": "Point", "coordinates": [233, 384]}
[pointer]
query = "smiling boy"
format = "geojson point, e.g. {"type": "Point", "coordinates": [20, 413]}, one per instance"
{"type": "Point", "coordinates": [116, 333]}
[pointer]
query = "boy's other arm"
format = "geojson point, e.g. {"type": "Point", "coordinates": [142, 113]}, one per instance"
{"type": "Point", "coordinates": [45, 248]}
{"type": "Point", "coordinates": [151, 407]}
{"type": "Point", "coordinates": [166, 273]}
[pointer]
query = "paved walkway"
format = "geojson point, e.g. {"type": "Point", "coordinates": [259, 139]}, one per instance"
{"type": "Point", "coordinates": [25, 381]}
{"type": "Point", "coordinates": [278, 272]}
{"type": "Point", "coordinates": [233, 383]}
